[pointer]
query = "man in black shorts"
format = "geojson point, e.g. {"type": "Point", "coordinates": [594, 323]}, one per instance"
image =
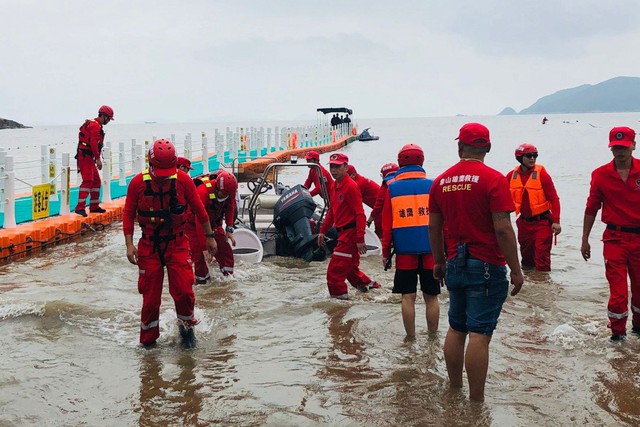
{"type": "Point", "coordinates": [405, 227]}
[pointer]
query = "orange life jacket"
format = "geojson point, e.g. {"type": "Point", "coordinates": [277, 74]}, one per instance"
{"type": "Point", "coordinates": [537, 199]}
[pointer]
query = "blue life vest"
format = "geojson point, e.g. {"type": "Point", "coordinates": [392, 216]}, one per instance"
{"type": "Point", "coordinates": [409, 191]}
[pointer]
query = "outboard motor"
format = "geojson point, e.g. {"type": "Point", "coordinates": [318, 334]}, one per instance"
{"type": "Point", "coordinates": [291, 216]}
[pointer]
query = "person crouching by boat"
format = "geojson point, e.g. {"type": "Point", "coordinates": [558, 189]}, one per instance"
{"type": "Point", "coordinates": [184, 165]}
{"type": "Point", "coordinates": [312, 178]}
{"type": "Point", "coordinates": [158, 197]}
{"type": "Point", "coordinates": [369, 190]}
{"type": "Point", "coordinates": [405, 225]}
{"type": "Point", "coordinates": [387, 171]}
{"type": "Point", "coordinates": [347, 215]}
{"type": "Point", "coordinates": [218, 195]}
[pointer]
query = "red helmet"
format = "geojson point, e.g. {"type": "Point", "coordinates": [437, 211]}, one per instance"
{"type": "Point", "coordinates": [387, 168]}
{"type": "Point", "coordinates": [162, 158]}
{"type": "Point", "coordinates": [107, 111]}
{"type": "Point", "coordinates": [227, 182]}
{"type": "Point", "coordinates": [525, 149]}
{"type": "Point", "coordinates": [411, 154]}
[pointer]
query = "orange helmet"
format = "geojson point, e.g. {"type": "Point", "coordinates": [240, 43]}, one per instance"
{"type": "Point", "coordinates": [226, 182]}
{"type": "Point", "coordinates": [107, 111]}
{"type": "Point", "coordinates": [525, 149]}
{"type": "Point", "coordinates": [162, 158]}
{"type": "Point", "coordinates": [387, 168]}
{"type": "Point", "coordinates": [410, 154]}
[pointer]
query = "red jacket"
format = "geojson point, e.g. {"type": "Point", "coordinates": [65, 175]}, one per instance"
{"type": "Point", "coordinates": [368, 189]}
{"type": "Point", "coordinates": [619, 200]}
{"type": "Point", "coordinates": [313, 179]}
{"type": "Point", "coordinates": [91, 138]}
{"type": "Point", "coordinates": [217, 211]}
{"type": "Point", "coordinates": [382, 194]}
{"type": "Point", "coordinates": [137, 202]}
{"type": "Point", "coordinates": [345, 207]}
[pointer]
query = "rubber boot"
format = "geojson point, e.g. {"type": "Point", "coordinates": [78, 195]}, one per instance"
{"type": "Point", "coordinates": [187, 336]}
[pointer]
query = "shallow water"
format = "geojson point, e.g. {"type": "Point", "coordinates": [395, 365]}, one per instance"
{"type": "Point", "coordinates": [273, 349]}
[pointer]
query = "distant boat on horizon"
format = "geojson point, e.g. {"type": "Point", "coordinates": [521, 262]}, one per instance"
{"type": "Point", "coordinates": [150, 123]}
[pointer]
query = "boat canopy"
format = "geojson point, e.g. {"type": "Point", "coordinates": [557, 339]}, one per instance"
{"type": "Point", "coordinates": [335, 110]}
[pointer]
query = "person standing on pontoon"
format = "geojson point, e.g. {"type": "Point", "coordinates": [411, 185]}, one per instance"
{"type": "Point", "coordinates": [90, 142]}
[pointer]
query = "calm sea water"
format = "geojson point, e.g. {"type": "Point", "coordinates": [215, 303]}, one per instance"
{"type": "Point", "coordinates": [274, 350]}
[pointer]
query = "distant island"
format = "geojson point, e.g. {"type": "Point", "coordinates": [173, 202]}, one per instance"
{"type": "Point", "coordinates": [617, 95]}
{"type": "Point", "coordinates": [10, 124]}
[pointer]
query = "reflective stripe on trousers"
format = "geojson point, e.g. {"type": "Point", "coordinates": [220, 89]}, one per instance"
{"type": "Point", "coordinates": [153, 324]}
{"type": "Point", "coordinates": [618, 315]}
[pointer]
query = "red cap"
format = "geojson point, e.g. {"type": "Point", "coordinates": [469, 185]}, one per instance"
{"type": "Point", "coordinates": [183, 161]}
{"type": "Point", "coordinates": [351, 170]}
{"type": "Point", "coordinates": [474, 134]}
{"type": "Point", "coordinates": [313, 155]}
{"type": "Point", "coordinates": [622, 136]}
{"type": "Point", "coordinates": [387, 168]}
{"type": "Point", "coordinates": [338, 159]}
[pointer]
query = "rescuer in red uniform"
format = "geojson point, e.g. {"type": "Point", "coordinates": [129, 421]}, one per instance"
{"type": "Point", "coordinates": [615, 187]}
{"type": "Point", "coordinates": [369, 191]}
{"type": "Point", "coordinates": [347, 215]}
{"type": "Point", "coordinates": [387, 172]}
{"type": "Point", "coordinates": [158, 197]}
{"type": "Point", "coordinates": [537, 202]}
{"type": "Point", "coordinates": [469, 214]}
{"type": "Point", "coordinates": [90, 142]}
{"type": "Point", "coordinates": [184, 164]}
{"type": "Point", "coordinates": [218, 195]}
{"type": "Point", "coordinates": [312, 178]}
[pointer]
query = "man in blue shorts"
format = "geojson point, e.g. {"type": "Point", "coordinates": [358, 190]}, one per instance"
{"type": "Point", "coordinates": [469, 217]}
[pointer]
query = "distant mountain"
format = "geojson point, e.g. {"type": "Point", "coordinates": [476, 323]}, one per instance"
{"type": "Point", "coordinates": [617, 95]}
{"type": "Point", "coordinates": [508, 112]}
{"type": "Point", "coordinates": [10, 124]}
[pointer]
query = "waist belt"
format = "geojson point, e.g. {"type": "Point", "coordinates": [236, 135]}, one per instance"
{"type": "Point", "coordinates": [543, 215]}
{"type": "Point", "coordinates": [635, 230]}
{"type": "Point", "coordinates": [346, 227]}
{"type": "Point", "coordinates": [164, 238]}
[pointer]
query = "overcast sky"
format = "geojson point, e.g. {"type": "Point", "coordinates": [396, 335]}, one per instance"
{"type": "Point", "coordinates": [198, 60]}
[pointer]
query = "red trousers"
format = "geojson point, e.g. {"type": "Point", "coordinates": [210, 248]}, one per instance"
{"type": "Point", "coordinates": [224, 255]}
{"type": "Point", "coordinates": [535, 239]}
{"type": "Point", "coordinates": [90, 183]}
{"type": "Point", "coordinates": [622, 259]}
{"type": "Point", "coordinates": [151, 276]}
{"type": "Point", "coordinates": [344, 264]}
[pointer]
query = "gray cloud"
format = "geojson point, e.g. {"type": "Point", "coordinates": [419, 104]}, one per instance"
{"type": "Point", "coordinates": [213, 60]}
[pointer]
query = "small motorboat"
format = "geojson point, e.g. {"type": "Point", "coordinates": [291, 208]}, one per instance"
{"type": "Point", "coordinates": [366, 136]}
{"type": "Point", "coordinates": [284, 221]}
